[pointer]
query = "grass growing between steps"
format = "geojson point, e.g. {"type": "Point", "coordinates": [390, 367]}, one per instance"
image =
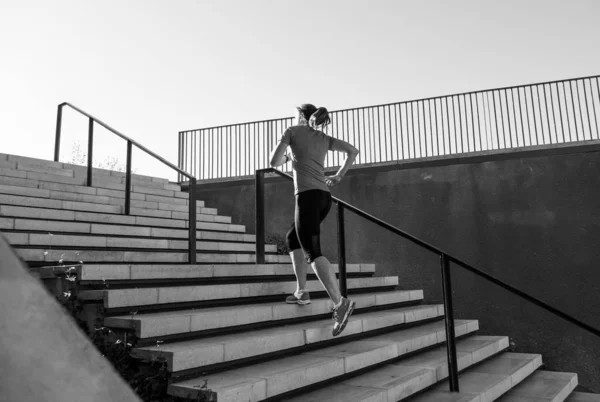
{"type": "Point", "coordinates": [148, 379]}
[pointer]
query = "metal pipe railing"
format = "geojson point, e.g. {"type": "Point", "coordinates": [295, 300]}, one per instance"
{"type": "Point", "coordinates": [445, 260]}
{"type": "Point", "coordinates": [512, 117]}
{"type": "Point", "coordinates": [130, 143]}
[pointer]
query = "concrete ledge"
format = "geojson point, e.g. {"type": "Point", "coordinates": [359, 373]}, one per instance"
{"type": "Point", "coordinates": [45, 356]}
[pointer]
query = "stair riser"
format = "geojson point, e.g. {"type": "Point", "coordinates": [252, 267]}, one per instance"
{"type": "Point", "coordinates": [69, 215]}
{"type": "Point", "coordinates": [79, 172]}
{"type": "Point", "coordinates": [19, 181]}
{"type": "Point", "coordinates": [294, 337]}
{"type": "Point", "coordinates": [97, 199]}
{"type": "Point", "coordinates": [140, 297]}
{"type": "Point", "coordinates": [44, 164]}
{"type": "Point", "coordinates": [198, 321]}
{"type": "Point", "coordinates": [51, 175]}
{"type": "Point", "coordinates": [406, 377]}
{"type": "Point", "coordinates": [153, 272]}
{"type": "Point", "coordinates": [70, 256]}
{"type": "Point", "coordinates": [56, 227]}
{"type": "Point", "coordinates": [46, 241]}
{"type": "Point", "coordinates": [325, 363]}
{"type": "Point", "coordinates": [24, 201]}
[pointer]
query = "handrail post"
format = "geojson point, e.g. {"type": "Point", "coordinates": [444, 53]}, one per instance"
{"type": "Point", "coordinates": [341, 249]}
{"type": "Point", "coordinates": [192, 222]}
{"type": "Point", "coordinates": [449, 318]}
{"type": "Point", "coordinates": [90, 156]}
{"type": "Point", "coordinates": [128, 180]}
{"type": "Point", "coordinates": [58, 131]}
{"type": "Point", "coordinates": [259, 178]}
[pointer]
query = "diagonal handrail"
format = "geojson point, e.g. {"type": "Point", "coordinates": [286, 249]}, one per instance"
{"type": "Point", "coordinates": [445, 258]}
{"type": "Point", "coordinates": [130, 143]}
{"type": "Point", "coordinates": [455, 260]}
{"type": "Point", "coordinates": [114, 131]}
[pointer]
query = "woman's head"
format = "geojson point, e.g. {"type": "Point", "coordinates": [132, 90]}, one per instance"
{"type": "Point", "coordinates": [313, 116]}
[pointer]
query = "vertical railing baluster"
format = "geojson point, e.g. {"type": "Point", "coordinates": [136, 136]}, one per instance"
{"type": "Point", "coordinates": [179, 178]}
{"type": "Point", "coordinates": [58, 133]}
{"type": "Point", "coordinates": [128, 180]}
{"type": "Point", "coordinates": [90, 155]}
{"type": "Point", "coordinates": [341, 250]}
{"type": "Point", "coordinates": [259, 180]}
{"type": "Point", "coordinates": [449, 320]}
{"type": "Point", "coordinates": [192, 210]}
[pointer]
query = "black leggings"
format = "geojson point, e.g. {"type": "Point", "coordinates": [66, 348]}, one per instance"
{"type": "Point", "coordinates": [312, 207]}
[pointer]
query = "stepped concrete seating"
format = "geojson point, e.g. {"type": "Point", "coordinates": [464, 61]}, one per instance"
{"type": "Point", "coordinates": [222, 325]}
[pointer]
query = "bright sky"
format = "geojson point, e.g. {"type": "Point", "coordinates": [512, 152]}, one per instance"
{"type": "Point", "coordinates": [151, 68]}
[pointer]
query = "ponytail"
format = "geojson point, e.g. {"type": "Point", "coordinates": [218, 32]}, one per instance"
{"type": "Point", "coordinates": [320, 117]}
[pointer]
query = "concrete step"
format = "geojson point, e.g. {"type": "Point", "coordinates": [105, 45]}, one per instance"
{"type": "Point", "coordinates": [47, 240]}
{"type": "Point", "coordinates": [45, 164]}
{"type": "Point", "coordinates": [542, 386]}
{"type": "Point", "coordinates": [97, 199]}
{"type": "Point", "coordinates": [29, 201]}
{"type": "Point", "coordinates": [184, 321]}
{"type": "Point", "coordinates": [90, 272]}
{"type": "Point", "coordinates": [19, 181]}
{"type": "Point", "coordinates": [62, 214]}
{"type": "Point", "coordinates": [65, 176]}
{"type": "Point", "coordinates": [392, 382]}
{"type": "Point", "coordinates": [74, 255]}
{"type": "Point", "coordinates": [487, 381]}
{"type": "Point", "coordinates": [56, 227]}
{"type": "Point", "coordinates": [75, 171]}
{"type": "Point", "coordinates": [276, 377]}
{"type": "Point", "coordinates": [182, 294]}
{"type": "Point", "coordinates": [227, 348]}
{"type": "Point", "coordinates": [583, 397]}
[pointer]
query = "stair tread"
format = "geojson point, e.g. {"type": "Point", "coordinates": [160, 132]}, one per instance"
{"type": "Point", "coordinates": [67, 176]}
{"type": "Point", "coordinates": [542, 386]}
{"type": "Point", "coordinates": [19, 179]}
{"type": "Point", "coordinates": [487, 381]}
{"type": "Point", "coordinates": [71, 227]}
{"type": "Point", "coordinates": [223, 348]}
{"type": "Point", "coordinates": [88, 240]}
{"type": "Point", "coordinates": [27, 160]}
{"type": "Point", "coordinates": [193, 293]}
{"type": "Point", "coordinates": [50, 203]}
{"type": "Point", "coordinates": [273, 378]}
{"type": "Point", "coordinates": [82, 255]}
{"type": "Point", "coordinates": [90, 272]}
{"type": "Point", "coordinates": [61, 214]}
{"type": "Point", "coordinates": [583, 397]}
{"type": "Point", "coordinates": [97, 199]}
{"type": "Point", "coordinates": [181, 321]}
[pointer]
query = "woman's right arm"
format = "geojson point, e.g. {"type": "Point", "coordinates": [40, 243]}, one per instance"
{"type": "Point", "coordinates": [351, 153]}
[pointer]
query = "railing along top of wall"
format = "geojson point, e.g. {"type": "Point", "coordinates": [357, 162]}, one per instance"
{"type": "Point", "coordinates": [516, 116]}
{"type": "Point", "coordinates": [406, 102]}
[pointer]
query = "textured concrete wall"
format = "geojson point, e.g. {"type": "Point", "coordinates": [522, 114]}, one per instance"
{"type": "Point", "coordinates": [531, 219]}
{"type": "Point", "coordinates": [43, 354]}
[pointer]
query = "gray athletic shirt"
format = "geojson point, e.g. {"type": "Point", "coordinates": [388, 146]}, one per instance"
{"type": "Point", "coordinates": [309, 147]}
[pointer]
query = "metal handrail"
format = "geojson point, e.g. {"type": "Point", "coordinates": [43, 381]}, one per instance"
{"type": "Point", "coordinates": [445, 259]}
{"type": "Point", "coordinates": [116, 132]}
{"type": "Point", "coordinates": [130, 143]}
